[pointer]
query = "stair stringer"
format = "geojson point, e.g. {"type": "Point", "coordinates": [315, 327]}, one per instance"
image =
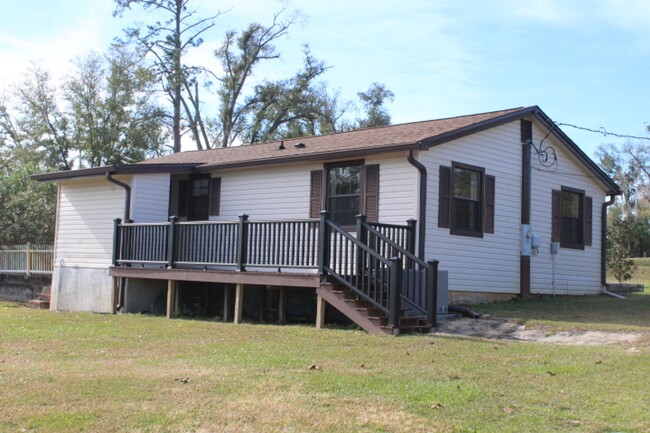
{"type": "Point", "coordinates": [325, 291]}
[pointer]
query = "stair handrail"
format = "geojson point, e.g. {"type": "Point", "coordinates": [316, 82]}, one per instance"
{"type": "Point", "coordinates": [431, 267]}
{"type": "Point", "coordinates": [406, 253]}
{"type": "Point", "coordinates": [392, 265]}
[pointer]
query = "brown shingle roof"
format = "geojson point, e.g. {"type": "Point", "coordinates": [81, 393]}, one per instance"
{"type": "Point", "coordinates": [357, 142]}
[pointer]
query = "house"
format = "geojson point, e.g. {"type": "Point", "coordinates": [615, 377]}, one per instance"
{"type": "Point", "coordinates": [504, 201]}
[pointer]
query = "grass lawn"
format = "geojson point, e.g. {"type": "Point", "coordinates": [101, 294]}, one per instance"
{"type": "Point", "coordinates": [74, 372]}
{"type": "Point", "coordinates": [600, 312]}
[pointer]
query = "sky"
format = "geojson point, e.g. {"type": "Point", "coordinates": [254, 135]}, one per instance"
{"type": "Point", "coordinates": [584, 62]}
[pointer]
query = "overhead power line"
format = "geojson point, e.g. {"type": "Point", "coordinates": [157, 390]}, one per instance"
{"type": "Point", "coordinates": [603, 131]}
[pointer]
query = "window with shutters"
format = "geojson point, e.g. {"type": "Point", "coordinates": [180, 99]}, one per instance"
{"type": "Point", "coordinates": [344, 193]}
{"type": "Point", "coordinates": [345, 190]}
{"type": "Point", "coordinates": [572, 218]}
{"type": "Point", "coordinates": [198, 197]}
{"type": "Point", "coordinates": [466, 200]}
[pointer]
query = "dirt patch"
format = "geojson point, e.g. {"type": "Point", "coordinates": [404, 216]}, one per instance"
{"type": "Point", "coordinates": [498, 328]}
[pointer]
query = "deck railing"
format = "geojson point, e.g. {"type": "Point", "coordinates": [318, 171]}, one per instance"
{"type": "Point", "coordinates": [27, 259]}
{"type": "Point", "coordinates": [379, 263]}
{"type": "Point", "coordinates": [277, 244]}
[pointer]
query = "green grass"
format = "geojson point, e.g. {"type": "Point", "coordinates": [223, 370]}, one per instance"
{"type": "Point", "coordinates": [128, 373]}
{"type": "Point", "coordinates": [561, 313]}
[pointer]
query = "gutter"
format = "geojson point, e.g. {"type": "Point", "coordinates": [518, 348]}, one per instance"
{"type": "Point", "coordinates": [127, 218]}
{"type": "Point", "coordinates": [422, 210]}
{"type": "Point", "coordinates": [127, 199]}
{"type": "Point", "coordinates": [603, 247]}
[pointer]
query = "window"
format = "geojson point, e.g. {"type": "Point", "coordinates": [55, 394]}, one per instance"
{"type": "Point", "coordinates": [199, 197]}
{"type": "Point", "coordinates": [198, 203]}
{"type": "Point", "coordinates": [466, 200]}
{"type": "Point", "coordinates": [345, 190]}
{"type": "Point", "coordinates": [344, 193]}
{"type": "Point", "coordinates": [572, 218]}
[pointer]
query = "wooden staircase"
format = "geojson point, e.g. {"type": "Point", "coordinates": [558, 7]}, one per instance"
{"type": "Point", "coordinates": [367, 316]}
{"type": "Point", "coordinates": [42, 301]}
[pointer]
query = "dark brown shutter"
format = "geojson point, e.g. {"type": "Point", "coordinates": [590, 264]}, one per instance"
{"type": "Point", "coordinates": [315, 194]}
{"type": "Point", "coordinates": [371, 201]}
{"type": "Point", "coordinates": [489, 204]}
{"type": "Point", "coordinates": [444, 197]}
{"type": "Point", "coordinates": [183, 186]}
{"type": "Point", "coordinates": [215, 196]}
{"type": "Point", "coordinates": [588, 221]}
{"type": "Point", "coordinates": [556, 216]}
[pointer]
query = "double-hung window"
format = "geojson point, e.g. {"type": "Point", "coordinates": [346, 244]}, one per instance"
{"type": "Point", "coordinates": [466, 200]}
{"type": "Point", "coordinates": [345, 189]}
{"type": "Point", "coordinates": [572, 218]}
{"type": "Point", "coordinates": [344, 193]}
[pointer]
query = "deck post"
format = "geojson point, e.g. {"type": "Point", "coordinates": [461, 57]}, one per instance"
{"type": "Point", "coordinates": [411, 241]}
{"type": "Point", "coordinates": [239, 303]}
{"type": "Point", "coordinates": [362, 236]}
{"type": "Point", "coordinates": [394, 294]}
{"type": "Point", "coordinates": [226, 302]}
{"type": "Point", "coordinates": [242, 242]}
{"type": "Point", "coordinates": [171, 241]}
{"type": "Point", "coordinates": [282, 306]}
{"type": "Point", "coordinates": [320, 312]}
{"type": "Point", "coordinates": [323, 242]}
{"type": "Point", "coordinates": [432, 292]}
{"type": "Point", "coordinates": [171, 298]}
{"type": "Point", "coordinates": [116, 240]}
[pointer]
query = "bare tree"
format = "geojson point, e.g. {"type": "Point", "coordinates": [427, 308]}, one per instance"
{"type": "Point", "coordinates": [166, 43]}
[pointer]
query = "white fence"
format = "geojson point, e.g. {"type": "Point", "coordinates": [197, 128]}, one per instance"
{"type": "Point", "coordinates": [27, 260]}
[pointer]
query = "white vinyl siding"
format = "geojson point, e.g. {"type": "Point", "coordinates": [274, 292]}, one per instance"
{"type": "Point", "coordinates": [278, 192]}
{"type": "Point", "coordinates": [84, 234]}
{"type": "Point", "coordinates": [282, 192]}
{"type": "Point", "coordinates": [398, 188]}
{"type": "Point", "coordinates": [150, 198]}
{"type": "Point", "coordinates": [571, 271]}
{"type": "Point", "coordinates": [489, 263]}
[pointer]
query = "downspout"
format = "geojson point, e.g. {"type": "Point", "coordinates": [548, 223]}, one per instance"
{"type": "Point", "coordinates": [127, 218]}
{"type": "Point", "coordinates": [603, 248]}
{"type": "Point", "coordinates": [422, 211]}
{"type": "Point", "coordinates": [127, 200]}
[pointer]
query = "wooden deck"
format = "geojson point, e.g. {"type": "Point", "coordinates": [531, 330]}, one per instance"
{"type": "Point", "coordinates": [374, 269]}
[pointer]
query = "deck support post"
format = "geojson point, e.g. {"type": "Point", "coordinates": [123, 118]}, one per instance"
{"type": "Point", "coordinates": [172, 299]}
{"type": "Point", "coordinates": [320, 312]}
{"type": "Point", "coordinates": [282, 306]}
{"type": "Point", "coordinates": [239, 303]}
{"type": "Point", "coordinates": [226, 302]}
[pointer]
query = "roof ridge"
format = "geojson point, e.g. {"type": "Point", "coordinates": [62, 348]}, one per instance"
{"type": "Point", "coordinates": [370, 128]}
